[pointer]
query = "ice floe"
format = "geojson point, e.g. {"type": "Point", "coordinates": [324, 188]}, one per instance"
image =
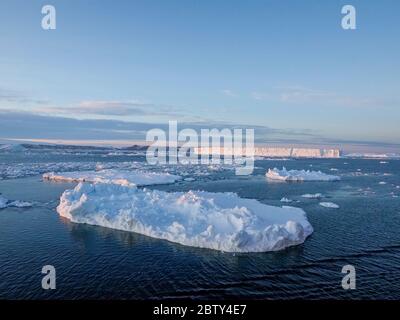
{"type": "Point", "coordinates": [5, 203]}
{"type": "Point", "coordinates": [115, 176]}
{"type": "Point", "coordinates": [220, 221]}
{"type": "Point", "coordinates": [284, 199]}
{"type": "Point", "coordinates": [312, 195]}
{"type": "Point", "coordinates": [329, 205]}
{"type": "Point", "coordinates": [373, 155]}
{"type": "Point", "coordinates": [299, 175]}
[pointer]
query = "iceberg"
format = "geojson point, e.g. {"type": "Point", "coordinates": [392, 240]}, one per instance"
{"type": "Point", "coordinates": [284, 199]}
{"type": "Point", "coordinates": [220, 221]}
{"type": "Point", "coordinates": [115, 176]}
{"type": "Point", "coordinates": [329, 205]}
{"type": "Point", "coordinates": [299, 175]}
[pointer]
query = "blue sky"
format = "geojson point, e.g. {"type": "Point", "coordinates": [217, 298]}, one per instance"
{"type": "Point", "coordinates": [284, 67]}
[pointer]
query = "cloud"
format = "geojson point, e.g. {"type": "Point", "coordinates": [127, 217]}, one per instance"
{"type": "Point", "coordinates": [33, 126]}
{"type": "Point", "coordinates": [12, 96]}
{"type": "Point", "coordinates": [116, 108]}
{"type": "Point", "coordinates": [229, 93]}
{"type": "Point", "coordinates": [107, 108]}
{"type": "Point", "coordinates": [301, 95]}
{"type": "Point", "coordinates": [29, 126]}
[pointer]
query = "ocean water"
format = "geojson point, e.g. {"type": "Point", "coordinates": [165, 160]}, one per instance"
{"type": "Point", "coordinates": [98, 263]}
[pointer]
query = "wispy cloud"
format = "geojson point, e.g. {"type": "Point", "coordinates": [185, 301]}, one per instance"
{"type": "Point", "coordinates": [301, 95]}
{"type": "Point", "coordinates": [229, 93]}
{"type": "Point", "coordinates": [33, 127]}
{"type": "Point", "coordinates": [12, 96]}
{"type": "Point", "coordinates": [117, 109]}
{"type": "Point", "coordinates": [103, 107]}
{"type": "Point", "coordinates": [27, 124]}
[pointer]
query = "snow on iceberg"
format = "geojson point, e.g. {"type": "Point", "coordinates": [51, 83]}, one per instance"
{"type": "Point", "coordinates": [220, 221]}
{"type": "Point", "coordinates": [329, 205]}
{"type": "Point", "coordinates": [299, 175]}
{"type": "Point", "coordinates": [115, 176]}
{"type": "Point", "coordinates": [5, 203]}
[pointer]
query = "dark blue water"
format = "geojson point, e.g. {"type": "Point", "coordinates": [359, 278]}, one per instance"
{"type": "Point", "coordinates": [98, 263]}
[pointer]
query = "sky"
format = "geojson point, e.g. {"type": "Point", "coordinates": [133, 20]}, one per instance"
{"type": "Point", "coordinates": [115, 69]}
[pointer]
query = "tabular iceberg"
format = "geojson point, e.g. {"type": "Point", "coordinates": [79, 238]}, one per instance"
{"type": "Point", "coordinates": [115, 176]}
{"type": "Point", "coordinates": [299, 175]}
{"type": "Point", "coordinates": [220, 221]}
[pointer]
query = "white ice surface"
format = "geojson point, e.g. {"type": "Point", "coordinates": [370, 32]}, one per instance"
{"type": "Point", "coordinates": [220, 221]}
{"type": "Point", "coordinates": [312, 195]}
{"type": "Point", "coordinates": [122, 177]}
{"type": "Point", "coordinates": [299, 175]}
{"type": "Point", "coordinates": [329, 205]}
{"type": "Point", "coordinates": [5, 203]}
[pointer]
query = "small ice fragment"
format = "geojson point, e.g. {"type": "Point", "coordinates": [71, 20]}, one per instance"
{"type": "Point", "coordinates": [299, 175]}
{"type": "Point", "coordinates": [329, 205]}
{"type": "Point", "coordinates": [312, 196]}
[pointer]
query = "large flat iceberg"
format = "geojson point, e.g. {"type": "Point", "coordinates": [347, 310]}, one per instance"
{"type": "Point", "coordinates": [299, 175]}
{"type": "Point", "coordinates": [220, 221]}
{"type": "Point", "coordinates": [115, 176]}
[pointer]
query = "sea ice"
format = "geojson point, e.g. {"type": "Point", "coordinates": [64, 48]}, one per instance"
{"type": "Point", "coordinates": [5, 203]}
{"type": "Point", "coordinates": [11, 148]}
{"type": "Point", "coordinates": [329, 205]}
{"type": "Point", "coordinates": [220, 221]}
{"type": "Point", "coordinates": [286, 200]}
{"type": "Point", "coordinates": [299, 175]}
{"type": "Point", "coordinates": [312, 196]}
{"type": "Point", "coordinates": [122, 177]}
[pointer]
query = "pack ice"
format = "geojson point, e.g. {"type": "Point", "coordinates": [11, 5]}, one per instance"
{"type": "Point", "coordinates": [220, 221]}
{"type": "Point", "coordinates": [299, 175]}
{"type": "Point", "coordinates": [115, 176]}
